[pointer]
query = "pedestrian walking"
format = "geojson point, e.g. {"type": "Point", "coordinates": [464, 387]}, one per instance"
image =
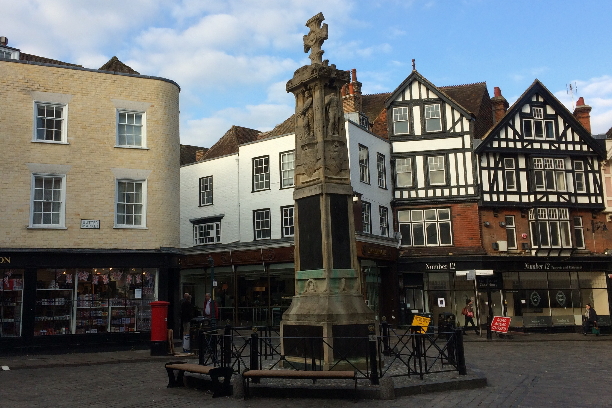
{"type": "Point", "coordinates": [468, 313]}
{"type": "Point", "coordinates": [211, 311]}
{"type": "Point", "coordinates": [589, 320]}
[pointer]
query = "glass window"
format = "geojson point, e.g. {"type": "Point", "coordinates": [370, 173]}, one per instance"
{"type": "Point", "coordinates": [47, 206]}
{"type": "Point", "coordinates": [50, 122]}
{"type": "Point", "coordinates": [261, 173]}
{"type": "Point", "coordinates": [287, 162]}
{"type": "Point", "coordinates": [579, 233]}
{"type": "Point", "coordinates": [288, 224]}
{"type": "Point", "coordinates": [550, 228]}
{"type": "Point", "coordinates": [209, 233]}
{"type": "Point", "coordinates": [11, 302]}
{"type": "Point", "coordinates": [511, 232]}
{"type": "Point", "coordinates": [400, 121]}
{"type": "Point", "coordinates": [206, 190]}
{"type": "Point", "coordinates": [437, 172]}
{"type": "Point", "coordinates": [54, 295]}
{"type": "Point", "coordinates": [430, 227]}
{"type": "Point", "coordinates": [433, 120]}
{"type": "Point", "coordinates": [528, 128]}
{"type": "Point", "coordinates": [131, 207]}
{"type": "Point", "coordinates": [382, 170]}
{"type": "Point", "coordinates": [549, 174]}
{"type": "Point", "coordinates": [130, 129]}
{"type": "Point", "coordinates": [364, 165]}
{"type": "Point", "coordinates": [383, 213]}
{"type": "Point", "coordinates": [509, 173]}
{"type": "Point", "coordinates": [579, 176]}
{"type": "Point", "coordinates": [403, 172]}
{"type": "Point", "coordinates": [261, 220]}
{"type": "Point", "coordinates": [366, 217]}
{"type": "Point", "coordinates": [550, 129]}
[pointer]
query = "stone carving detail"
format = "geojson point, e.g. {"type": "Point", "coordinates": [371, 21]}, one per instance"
{"type": "Point", "coordinates": [333, 110]}
{"type": "Point", "coordinates": [311, 286]}
{"type": "Point", "coordinates": [313, 41]}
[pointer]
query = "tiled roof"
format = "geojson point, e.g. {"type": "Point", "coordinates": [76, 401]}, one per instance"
{"type": "Point", "coordinates": [188, 153]}
{"type": "Point", "coordinates": [373, 104]}
{"type": "Point", "coordinates": [230, 141]}
{"type": "Point", "coordinates": [475, 98]}
{"type": "Point", "coordinates": [35, 58]}
{"type": "Point", "coordinates": [609, 133]}
{"type": "Point", "coordinates": [288, 126]}
{"type": "Point", "coordinates": [114, 65]}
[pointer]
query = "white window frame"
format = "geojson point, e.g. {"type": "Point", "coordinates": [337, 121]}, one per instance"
{"type": "Point", "coordinates": [381, 167]}
{"type": "Point", "coordinates": [9, 53]}
{"type": "Point", "coordinates": [288, 220]}
{"type": "Point", "coordinates": [261, 173]}
{"type": "Point", "coordinates": [63, 139]}
{"type": "Point", "coordinates": [383, 213]}
{"type": "Point", "coordinates": [366, 217]}
{"type": "Point", "coordinates": [551, 226]}
{"type": "Point", "coordinates": [403, 166]}
{"type": "Point", "coordinates": [142, 126]}
{"type": "Point", "coordinates": [579, 176]}
{"type": "Point", "coordinates": [206, 190]}
{"type": "Point", "coordinates": [433, 116]}
{"type": "Point", "coordinates": [549, 174]}
{"type": "Point", "coordinates": [142, 204]}
{"type": "Point", "coordinates": [262, 224]}
{"type": "Point", "coordinates": [510, 173]}
{"type": "Point", "coordinates": [431, 224]}
{"type": "Point", "coordinates": [287, 169]}
{"type": "Point", "coordinates": [579, 233]}
{"type": "Point", "coordinates": [58, 195]}
{"type": "Point", "coordinates": [436, 165]}
{"type": "Point", "coordinates": [537, 127]}
{"type": "Point", "coordinates": [400, 120]}
{"type": "Point", "coordinates": [207, 233]}
{"type": "Point", "coordinates": [364, 164]}
{"type": "Point", "coordinates": [511, 232]}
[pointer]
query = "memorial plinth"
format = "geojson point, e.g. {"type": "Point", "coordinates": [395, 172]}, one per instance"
{"type": "Point", "coordinates": [328, 303]}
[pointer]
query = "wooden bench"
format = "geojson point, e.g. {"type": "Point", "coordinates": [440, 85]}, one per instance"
{"type": "Point", "coordinates": [219, 389]}
{"type": "Point", "coordinates": [255, 375]}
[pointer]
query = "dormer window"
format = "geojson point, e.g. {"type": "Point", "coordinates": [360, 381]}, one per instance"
{"type": "Point", "coordinates": [433, 122]}
{"type": "Point", "coordinates": [9, 53]}
{"type": "Point", "coordinates": [537, 128]}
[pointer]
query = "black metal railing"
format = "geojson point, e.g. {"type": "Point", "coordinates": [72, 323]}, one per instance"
{"type": "Point", "coordinates": [395, 352]}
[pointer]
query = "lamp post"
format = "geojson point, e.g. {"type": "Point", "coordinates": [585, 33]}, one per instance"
{"type": "Point", "coordinates": [211, 264]}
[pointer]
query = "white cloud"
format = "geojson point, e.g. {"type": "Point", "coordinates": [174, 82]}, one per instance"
{"type": "Point", "coordinates": [597, 93]}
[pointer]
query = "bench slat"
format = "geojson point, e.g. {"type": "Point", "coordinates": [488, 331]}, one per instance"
{"type": "Point", "coordinates": [192, 368]}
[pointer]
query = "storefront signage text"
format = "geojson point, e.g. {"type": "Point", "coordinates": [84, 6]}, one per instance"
{"type": "Point", "coordinates": [5, 259]}
{"type": "Point", "coordinates": [440, 266]}
{"type": "Point", "coordinates": [536, 266]}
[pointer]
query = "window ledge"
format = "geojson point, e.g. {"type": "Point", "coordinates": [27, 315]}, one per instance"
{"type": "Point", "coordinates": [31, 227]}
{"type": "Point", "coordinates": [129, 227]}
{"type": "Point", "coordinates": [131, 147]}
{"type": "Point", "coordinates": [205, 205]}
{"type": "Point", "coordinates": [50, 142]}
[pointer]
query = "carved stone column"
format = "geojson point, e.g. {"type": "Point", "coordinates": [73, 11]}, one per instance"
{"type": "Point", "coordinates": [328, 302]}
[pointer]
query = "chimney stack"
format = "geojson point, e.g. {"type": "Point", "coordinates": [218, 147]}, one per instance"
{"type": "Point", "coordinates": [499, 105]}
{"type": "Point", "coordinates": [583, 114]}
{"type": "Point", "coordinates": [3, 41]}
{"type": "Point", "coordinates": [200, 154]}
{"type": "Point", "coordinates": [351, 95]}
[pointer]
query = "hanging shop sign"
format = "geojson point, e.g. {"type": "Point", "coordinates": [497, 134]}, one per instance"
{"type": "Point", "coordinates": [549, 266]}
{"type": "Point", "coordinates": [489, 282]}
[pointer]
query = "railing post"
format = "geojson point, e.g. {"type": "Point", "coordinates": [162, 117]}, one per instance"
{"type": "Point", "coordinates": [226, 353]}
{"type": "Point", "coordinates": [386, 338]}
{"type": "Point", "coordinates": [460, 352]}
{"type": "Point", "coordinates": [254, 364]}
{"type": "Point", "coordinates": [201, 349]}
{"type": "Point", "coordinates": [372, 349]}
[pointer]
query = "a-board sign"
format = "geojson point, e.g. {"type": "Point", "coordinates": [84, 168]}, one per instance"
{"type": "Point", "coordinates": [500, 324]}
{"type": "Point", "coordinates": [421, 321]}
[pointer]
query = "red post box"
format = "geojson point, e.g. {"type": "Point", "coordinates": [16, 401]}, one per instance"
{"type": "Point", "coordinates": [159, 328]}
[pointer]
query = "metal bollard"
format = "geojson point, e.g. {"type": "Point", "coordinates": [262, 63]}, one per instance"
{"type": "Point", "coordinates": [460, 352]}
{"type": "Point", "coordinates": [373, 360]}
{"type": "Point", "coordinates": [386, 338]}
{"type": "Point", "coordinates": [254, 363]}
{"type": "Point", "coordinates": [226, 352]}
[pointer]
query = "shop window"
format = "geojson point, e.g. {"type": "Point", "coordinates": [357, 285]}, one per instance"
{"type": "Point", "coordinates": [261, 224]}
{"type": "Point", "coordinates": [403, 172]}
{"type": "Point", "coordinates": [400, 120]}
{"type": "Point", "coordinates": [287, 164]}
{"type": "Point", "coordinates": [430, 227]}
{"type": "Point", "coordinates": [511, 232]}
{"type": "Point", "coordinates": [11, 302]}
{"type": "Point", "coordinates": [382, 170]}
{"type": "Point", "coordinates": [206, 190]}
{"type": "Point", "coordinates": [261, 173]}
{"type": "Point", "coordinates": [364, 164]}
{"type": "Point", "coordinates": [550, 228]}
{"type": "Point", "coordinates": [366, 217]}
{"type": "Point", "coordinates": [54, 296]}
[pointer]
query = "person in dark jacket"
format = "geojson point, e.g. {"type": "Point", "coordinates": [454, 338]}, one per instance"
{"type": "Point", "coordinates": [186, 313]}
{"type": "Point", "coordinates": [589, 320]}
{"type": "Point", "coordinates": [468, 313]}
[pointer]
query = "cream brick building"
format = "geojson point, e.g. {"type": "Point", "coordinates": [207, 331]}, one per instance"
{"type": "Point", "coordinates": [90, 195]}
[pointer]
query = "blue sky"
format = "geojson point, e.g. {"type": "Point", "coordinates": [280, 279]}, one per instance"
{"type": "Point", "coordinates": [232, 58]}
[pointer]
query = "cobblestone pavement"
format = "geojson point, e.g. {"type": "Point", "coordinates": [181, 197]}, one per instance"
{"type": "Point", "coordinates": [568, 373]}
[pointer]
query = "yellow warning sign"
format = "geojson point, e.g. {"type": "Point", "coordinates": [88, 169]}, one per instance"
{"type": "Point", "coordinates": [421, 321]}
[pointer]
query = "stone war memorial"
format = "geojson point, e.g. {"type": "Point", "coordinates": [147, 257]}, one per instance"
{"type": "Point", "coordinates": [328, 306]}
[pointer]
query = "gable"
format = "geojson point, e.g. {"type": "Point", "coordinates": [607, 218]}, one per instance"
{"type": "Point", "coordinates": [538, 121]}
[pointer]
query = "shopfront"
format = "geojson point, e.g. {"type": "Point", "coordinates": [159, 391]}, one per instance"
{"type": "Point", "coordinates": [80, 297]}
{"type": "Point", "coordinates": [536, 293]}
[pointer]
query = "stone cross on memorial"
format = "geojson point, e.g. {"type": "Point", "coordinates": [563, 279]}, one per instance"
{"type": "Point", "coordinates": [328, 303]}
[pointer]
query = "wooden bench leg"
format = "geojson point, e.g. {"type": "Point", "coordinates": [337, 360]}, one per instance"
{"type": "Point", "coordinates": [221, 389]}
{"type": "Point", "coordinates": [175, 381]}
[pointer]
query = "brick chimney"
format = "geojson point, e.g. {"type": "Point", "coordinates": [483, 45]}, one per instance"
{"type": "Point", "coordinates": [199, 154]}
{"type": "Point", "coordinates": [351, 94]}
{"type": "Point", "coordinates": [583, 114]}
{"type": "Point", "coordinates": [499, 105]}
